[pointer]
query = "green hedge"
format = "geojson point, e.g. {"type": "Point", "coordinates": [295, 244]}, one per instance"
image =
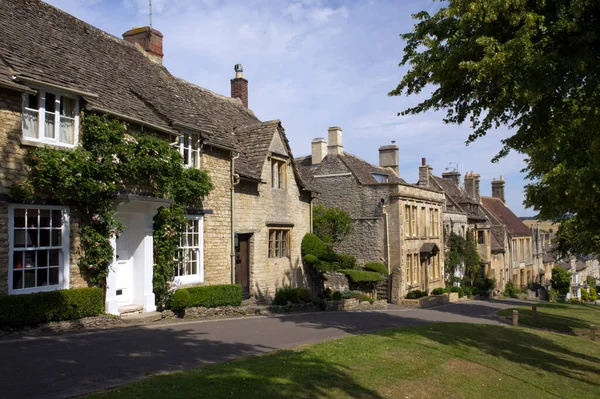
{"type": "Point", "coordinates": [438, 291]}
{"type": "Point", "coordinates": [376, 267]}
{"type": "Point", "coordinates": [313, 245]}
{"type": "Point", "coordinates": [211, 296]}
{"type": "Point", "coordinates": [346, 261]}
{"type": "Point", "coordinates": [294, 295]}
{"type": "Point", "coordinates": [416, 294]}
{"type": "Point", "coordinates": [360, 276]}
{"type": "Point", "coordinates": [43, 307]}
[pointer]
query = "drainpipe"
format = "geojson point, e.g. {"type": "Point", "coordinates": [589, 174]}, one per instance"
{"type": "Point", "coordinates": [234, 181]}
{"type": "Point", "coordinates": [387, 237]}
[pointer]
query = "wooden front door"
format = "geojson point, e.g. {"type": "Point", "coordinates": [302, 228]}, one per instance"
{"type": "Point", "coordinates": [242, 263]}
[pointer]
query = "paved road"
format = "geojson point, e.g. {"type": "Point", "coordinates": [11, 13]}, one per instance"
{"type": "Point", "coordinates": [69, 365]}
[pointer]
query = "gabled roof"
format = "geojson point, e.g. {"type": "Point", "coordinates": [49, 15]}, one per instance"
{"type": "Point", "coordinates": [41, 42]}
{"type": "Point", "coordinates": [361, 169]}
{"type": "Point", "coordinates": [503, 215]}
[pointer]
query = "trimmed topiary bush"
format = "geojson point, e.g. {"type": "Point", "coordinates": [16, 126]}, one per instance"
{"type": "Point", "coordinates": [304, 294]}
{"type": "Point", "coordinates": [324, 266]}
{"type": "Point", "coordinates": [210, 296]}
{"type": "Point", "coordinates": [181, 299]}
{"type": "Point", "coordinates": [438, 291]}
{"type": "Point", "coordinates": [310, 259]}
{"type": "Point", "coordinates": [313, 245]}
{"type": "Point", "coordinates": [360, 276]}
{"type": "Point", "coordinates": [376, 267]}
{"type": "Point", "coordinates": [415, 294]}
{"type": "Point", "coordinates": [346, 261]}
{"type": "Point", "coordinates": [43, 307]}
{"type": "Point", "coordinates": [337, 296]}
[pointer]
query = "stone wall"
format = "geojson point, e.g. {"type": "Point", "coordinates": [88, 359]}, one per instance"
{"type": "Point", "coordinates": [430, 301]}
{"type": "Point", "coordinates": [259, 208]}
{"type": "Point", "coordinates": [217, 226]}
{"type": "Point", "coordinates": [336, 282]}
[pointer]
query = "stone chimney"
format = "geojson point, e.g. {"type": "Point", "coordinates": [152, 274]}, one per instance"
{"type": "Point", "coordinates": [472, 181]}
{"type": "Point", "coordinates": [498, 189]}
{"type": "Point", "coordinates": [453, 175]}
{"type": "Point", "coordinates": [239, 85]}
{"type": "Point", "coordinates": [150, 40]}
{"type": "Point", "coordinates": [388, 157]}
{"type": "Point", "coordinates": [335, 141]}
{"type": "Point", "coordinates": [424, 173]}
{"type": "Point", "coordinates": [319, 150]}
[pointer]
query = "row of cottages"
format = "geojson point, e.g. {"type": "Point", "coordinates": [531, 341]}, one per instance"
{"type": "Point", "coordinates": [393, 222]}
{"type": "Point", "coordinates": [580, 268]}
{"type": "Point", "coordinates": [54, 69]}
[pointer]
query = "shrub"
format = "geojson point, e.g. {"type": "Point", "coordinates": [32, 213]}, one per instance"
{"type": "Point", "coordinates": [284, 295]}
{"type": "Point", "coordinates": [181, 299]}
{"type": "Point", "coordinates": [360, 276]}
{"type": "Point", "coordinates": [43, 307]}
{"type": "Point", "coordinates": [561, 280]}
{"type": "Point", "coordinates": [346, 261]}
{"type": "Point", "coordinates": [416, 294]}
{"type": "Point", "coordinates": [210, 296]}
{"type": "Point", "coordinates": [574, 300]}
{"type": "Point", "coordinates": [458, 290]}
{"type": "Point", "coordinates": [313, 245]}
{"type": "Point", "coordinates": [591, 281]}
{"type": "Point", "coordinates": [331, 224]}
{"type": "Point", "coordinates": [376, 267]}
{"type": "Point", "coordinates": [310, 259]}
{"type": "Point", "coordinates": [438, 291]}
{"type": "Point", "coordinates": [328, 294]}
{"type": "Point", "coordinates": [585, 296]}
{"type": "Point", "coordinates": [348, 294]}
{"type": "Point", "coordinates": [593, 294]}
{"type": "Point", "coordinates": [304, 294]}
{"type": "Point", "coordinates": [337, 296]}
{"type": "Point", "coordinates": [324, 266]}
{"type": "Point", "coordinates": [511, 291]}
{"type": "Point", "coordinates": [365, 298]}
{"type": "Point", "coordinates": [320, 303]}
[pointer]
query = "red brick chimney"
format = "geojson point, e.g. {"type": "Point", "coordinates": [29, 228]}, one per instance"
{"type": "Point", "coordinates": [239, 85]}
{"type": "Point", "coordinates": [150, 40]}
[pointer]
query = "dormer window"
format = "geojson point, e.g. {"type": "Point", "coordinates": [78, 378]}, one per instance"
{"type": "Point", "coordinates": [380, 177]}
{"type": "Point", "coordinates": [50, 117]}
{"type": "Point", "coordinates": [278, 168]}
{"type": "Point", "coordinates": [189, 148]}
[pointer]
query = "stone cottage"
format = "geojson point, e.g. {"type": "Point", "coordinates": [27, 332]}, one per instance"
{"type": "Point", "coordinates": [54, 69]}
{"type": "Point", "coordinates": [463, 213]}
{"type": "Point", "coordinates": [512, 246]}
{"type": "Point", "coordinates": [393, 222]}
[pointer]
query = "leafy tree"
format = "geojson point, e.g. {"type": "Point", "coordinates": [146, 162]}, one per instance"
{"type": "Point", "coordinates": [462, 252]}
{"type": "Point", "coordinates": [532, 66]}
{"type": "Point", "coordinates": [331, 224]}
{"type": "Point", "coordinates": [561, 280]}
{"type": "Point", "coordinates": [591, 281]}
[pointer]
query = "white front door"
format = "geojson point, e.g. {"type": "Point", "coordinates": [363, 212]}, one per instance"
{"type": "Point", "coordinates": [124, 269]}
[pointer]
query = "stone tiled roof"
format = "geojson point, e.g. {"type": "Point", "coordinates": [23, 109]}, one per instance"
{"type": "Point", "coordinates": [41, 42]}
{"type": "Point", "coordinates": [497, 234]}
{"type": "Point", "coordinates": [505, 216]}
{"type": "Point", "coordinates": [360, 168]}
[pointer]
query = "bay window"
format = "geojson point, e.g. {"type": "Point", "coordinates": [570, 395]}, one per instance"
{"type": "Point", "coordinates": [50, 118]}
{"type": "Point", "coordinates": [38, 238]}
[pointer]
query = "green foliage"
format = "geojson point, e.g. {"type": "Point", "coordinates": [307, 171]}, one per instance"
{"type": "Point", "coordinates": [349, 294]}
{"type": "Point", "coordinates": [561, 280]}
{"type": "Point", "coordinates": [376, 267]}
{"type": "Point", "coordinates": [310, 259]}
{"type": "Point", "coordinates": [210, 296]}
{"type": "Point", "coordinates": [461, 251]}
{"type": "Point", "coordinates": [346, 261]}
{"type": "Point", "coordinates": [438, 291]}
{"type": "Point", "coordinates": [590, 281]}
{"type": "Point", "coordinates": [313, 245]}
{"type": "Point", "coordinates": [304, 294]}
{"type": "Point", "coordinates": [585, 296]}
{"type": "Point", "coordinates": [553, 295]}
{"type": "Point", "coordinates": [168, 224]}
{"type": "Point", "coordinates": [458, 290]}
{"type": "Point", "coordinates": [43, 307]}
{"type": "Point", "coordinates": [294, 295]}
{"type": "Point", "coordinates": [331, 224]}
{"type": "Point", "coordinates": [89, 177]}
{"type": "Point", "coordinates": [320, 303]}
{"type": "Point", "coordinates": [328, 294]}
{"type": "Point", "coordinates": [416, 294]}
{"type": "Point", "coordinates": [574, 300]}
{"type": "Point", "coordinates": [337, 296]}
{"type": "Point", "coordinates": [531, 66]}
{"type": "Point", "coordinates": [511, 291]}
{"type": "Point", "coordinates": [360, 276]}
{"type": "Point", "coordinates": [181, 299]}
{"type": "Point", "coordinates": [324, 267]}
{"type": "Point", "coordinates": [593, 294]}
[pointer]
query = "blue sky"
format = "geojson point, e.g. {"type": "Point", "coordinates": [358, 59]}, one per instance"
{"type": "Point", "coordinates": [313, 64]}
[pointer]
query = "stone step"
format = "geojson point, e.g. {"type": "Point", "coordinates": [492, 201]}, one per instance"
{"type": "Point", "coordinates": [130, 309]}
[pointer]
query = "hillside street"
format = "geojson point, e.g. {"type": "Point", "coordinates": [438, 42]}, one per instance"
{"type": "Point", "coordinates": [74, 364]}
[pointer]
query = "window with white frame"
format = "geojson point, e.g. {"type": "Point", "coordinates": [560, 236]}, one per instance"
{"type": "Point", "coordinates": [50, 117]}
{"type": "Point", "coordinates": [189, 148]}
{"type": "Point", "coordinates": [38, 248]}
{"type": "Point", "coordinates": [191, 266]}
{"type": "Point", "coordinates": [380, 177]}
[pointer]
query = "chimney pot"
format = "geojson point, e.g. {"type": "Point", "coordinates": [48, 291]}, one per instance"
{"type": "Point", "coordinates": [423, 161]}
{"type": "Point", "coordinates": [335, 147]}
{"type": "Point", "coordinates": [424, 173]}
{"type": "Point", "coordinates": [149, 39]}
{"type": "Point", "coordinates": [239, 85]}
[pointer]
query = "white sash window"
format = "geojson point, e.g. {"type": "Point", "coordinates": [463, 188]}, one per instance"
{"type": "Point", "coordinates": [189, 148]}
{"type": "Point", "coordinates": [191, 250]}
{"type": "Point", "coordinates": [51, 118]}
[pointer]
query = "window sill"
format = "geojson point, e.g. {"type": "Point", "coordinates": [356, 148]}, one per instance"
{"type": "Point", "coordinates": [38, 289]}
{"type": "Point", "coordinates": [42, 144]}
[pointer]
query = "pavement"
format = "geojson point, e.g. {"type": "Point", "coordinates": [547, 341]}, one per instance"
{"type": "Point", "coordinates": [75, 364]}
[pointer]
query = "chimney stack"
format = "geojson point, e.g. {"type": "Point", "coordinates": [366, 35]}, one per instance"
{"type": "Point", "coordinates": [319, 150]}
{"type": "Point", "coordinates": [453, 175]}
{"type": "Point", "coordinates": [388, 157]}
{"type": "Point", "coordinates": [149, 39]}
{"type": "Point", "coordinates": [239, 85]}
{"type": "Point", "coordinates": [334, 147]}
{"type": "Point", "coordinates": [498, 189]}
{"type": "Point", "coordinates": [424, 173]}
{"type": "Point", "coordinates": [472, 185]}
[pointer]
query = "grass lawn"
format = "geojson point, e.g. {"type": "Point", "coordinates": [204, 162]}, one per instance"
{"type": "Point", "coordinates": [567, 318]}
{"type": "Point", "coordinates": [428, 361]}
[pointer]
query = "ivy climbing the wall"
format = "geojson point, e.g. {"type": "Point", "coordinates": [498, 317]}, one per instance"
{"type": "Point", "coordinates": [109, 161]}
